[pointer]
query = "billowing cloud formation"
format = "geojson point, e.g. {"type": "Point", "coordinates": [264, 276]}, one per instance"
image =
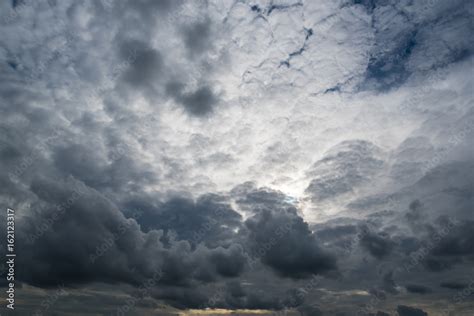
{"type": "Point", "coordinates": [103, 245]}
{"type": "Point", "coordinates": [343, 168]}
{"type": "Point", "coordinates": [285, 243]}
{"type": "Point", "coordinates": [299, 156]}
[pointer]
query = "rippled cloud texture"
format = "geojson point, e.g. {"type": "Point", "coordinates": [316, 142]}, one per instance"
{"type": "Point", "coordinates": [184, 157]}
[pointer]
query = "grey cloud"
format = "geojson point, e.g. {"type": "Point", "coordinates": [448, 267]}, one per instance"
{"type": "Point", "coordinates": [379, 245]}
{"type": "Point", "coordinates": [409, 158]}
{"type": "Point", "coordinates": [197, 37]}
{"type": "Point", "coordinates": [136, 255]}
{"type": "Point", "coordinates": [146, 64]}
{"type": "Point", "coordinates": [329, 233]}
{"type": "Point", "coordinates": [200, 102]}
{"type": "Point", "coordinates": [339, 236]}
{"type": "Point", "coordinates": [454, 247]}
{"type": "Point", "coordinates": [418, 289]}
{"type": "Point", "coordinates": [109, 169]}
{"type": "Point", "coordinates": [256, 245]}
{"type": "Point", "coordinates": [279, 237]}
{"type": "Point", "coordinates": [148, 6]}
{"type": "Point", "coordinates": [308, 310]}
{"type": "Point", "coordinates": [410, 311]}
{"type": "Point", "coordinates": [388, 283]}
{"type": "Point", "coordinates": [209, 219]}
{"type": "Point", "coordinates": [230, 263]}
{"type": "Point", "coordinates": [458, 242]}
{"type": "Point", "coordinates": [253, 199]}
{"type": "Point", "coordinates": [287, 244]}
{"type": "Point", "coordinates": [158, 74]}
{"type": "Point", "coordinates": [454, 285]}
{"type": "Point", "coordinates": [399, 52]}
{"type": "Point", "coordinates": [81, 162]}
{"type": "Point", "coordinates": [344, 167]}
{"type": "Point", "coordinates": [180, 297]}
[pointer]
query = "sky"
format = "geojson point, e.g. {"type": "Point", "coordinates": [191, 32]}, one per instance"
{"type": "Point", "coordinates": [261, 157]}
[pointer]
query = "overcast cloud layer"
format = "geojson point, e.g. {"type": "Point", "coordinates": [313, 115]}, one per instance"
{"type": "Point", "coordinates": [307, 157]}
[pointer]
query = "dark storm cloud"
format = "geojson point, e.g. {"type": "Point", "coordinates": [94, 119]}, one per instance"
{"type": "Point", "coordinates": [81, 226]}
{"type": "Point", "coordinates": [388, 283]}
{"type": "Point", "coordinates": [364, 236]}
{"type": "Point", "coordinates": [448, 245]}
{"type": "Point", "coordinates": [286, 244]}
{"type": "Point", "coordinates": [454, 285]}
{"type": "Point", "coordinates": [128, 255]}
{"type": "Point", "coordinates": [70, 223]}
{"type": "Point", "coordinates": [428, 234]}
{"type": "Point", "coordinates": [228, 263]}
{"type": "Point", "coordinates": [417, 289]}
{"type": "Point", "coordinates": [231, 295]}
{"type": "Point", "coordinates": [82, 162]}
{"type": "Point", "coordinates": [182, 297]}
{"type": "Point", "coordinates": [379, 245]}
{"type": "Point", "coordinates": [410, 311]}
{"type": "Point", "coordinates": [259, 300]}
{"type": "Point", "coordinates": [209, 219]}
{"type": "Point", "coordinates": [308, 310]}
{"type": "Point", "coordinates": [71, 262]}
{"type": "Point", "coordinates": [415, 211]}
{"type": "Point", "coordinates": [331, 233]}
{"type": "Point", "coordinates": [340, 236]}
{"type": "Point", "coordinates": [459, 242]}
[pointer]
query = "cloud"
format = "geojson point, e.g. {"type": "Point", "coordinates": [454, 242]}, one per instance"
{"type": "Point", "coordinates": [458, 242]}
{"type": "Point", "coordinates": [418, 289]}
{"type": "Point", "coordinates": [240, 149]}
{"type": "Point", "coordinates": [410, 311]}
{"type": "Point", "coordinates": [310, 310]}
{"type": "Point", "coordinates": [146, 64]}
{"type": "Point", "coordinates": [344, 167]}
{"type": "Point", "coordinates": [401, 50]}
{"type": "Point", "coordinates": [377, 244]}
{"type": "Point", "coordinates": [200, 102]}
{"type": "Point", "coordinates": [454, 285]}
{"type": "Point", "coordinates": [113, 250]}
{"type": "Point", "coordinates": [210, 219]}
{"type": "Point", "coordinates": [197, 37]}
{"type": "Point", "coordinates": [284, 242]}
